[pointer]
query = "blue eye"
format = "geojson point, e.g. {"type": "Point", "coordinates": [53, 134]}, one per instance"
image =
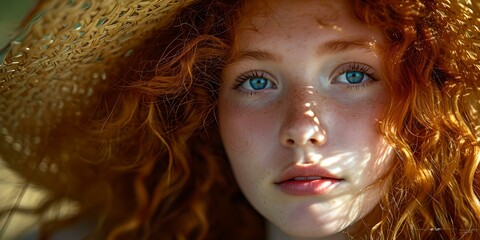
{"type": "Point", "coordinates": [258, 83]}
{"type": "Point", "coordinates": [255, 81]}
{"type": "Point", "coordinates": [354, 77]}
{"type": "Point", "coordinates": [354, 74]}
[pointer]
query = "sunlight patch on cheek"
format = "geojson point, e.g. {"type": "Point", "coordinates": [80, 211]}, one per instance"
{"type": "Point", "coordinates": [340, 160]}
{"type": "Point", "coordinates": [384, 158]}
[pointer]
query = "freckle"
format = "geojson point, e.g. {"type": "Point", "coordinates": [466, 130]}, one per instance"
{"type": "Point", "coordinates": [321, 23]}
{"type": "Point", "coordinates": [337, 28]}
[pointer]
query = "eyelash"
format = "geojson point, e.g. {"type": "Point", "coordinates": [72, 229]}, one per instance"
{"type": "Point", "coordinates": [250, 75]}
{"type": "Point", "coordinates": [360, 67]}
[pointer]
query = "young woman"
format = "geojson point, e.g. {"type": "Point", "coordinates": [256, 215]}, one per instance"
{"type": "Point", "coordinates": [337, 119]}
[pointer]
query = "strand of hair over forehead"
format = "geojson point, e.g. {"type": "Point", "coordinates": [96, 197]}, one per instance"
{"type": "Point", "coordinates": [433, 69]}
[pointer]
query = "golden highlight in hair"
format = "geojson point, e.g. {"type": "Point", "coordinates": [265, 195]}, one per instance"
{"type": "Point", "coordinates": [148, 163]}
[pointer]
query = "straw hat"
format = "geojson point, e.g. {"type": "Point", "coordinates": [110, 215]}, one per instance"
{"type": "Point", "coordinates": [49, 73]}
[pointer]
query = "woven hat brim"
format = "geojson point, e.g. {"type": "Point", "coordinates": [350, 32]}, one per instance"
{"type": "Point", "coordinates": [50, 72]}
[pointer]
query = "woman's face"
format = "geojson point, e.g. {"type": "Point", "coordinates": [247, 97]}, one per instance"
{"type": "Point", "coordinates": [298, 114]}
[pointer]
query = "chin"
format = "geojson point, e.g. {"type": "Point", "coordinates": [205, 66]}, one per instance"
{"type": "Point", "coordinates": [319, 230]}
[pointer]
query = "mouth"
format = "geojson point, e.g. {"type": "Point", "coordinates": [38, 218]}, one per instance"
{"type": "Point", "coordinates": [301, 181]}
{"type": "Point", "coordinates": [306, 178]}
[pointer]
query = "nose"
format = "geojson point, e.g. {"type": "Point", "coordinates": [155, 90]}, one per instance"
{"type": "Point", "coordinates": [302, 125]}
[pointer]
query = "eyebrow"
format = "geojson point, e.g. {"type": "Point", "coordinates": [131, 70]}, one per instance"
{"type": "Point", "coordinates": [331, 47]}
{"type": "Point", "coordinates": [258, 55]}
{"type": "Point", "coordinates": [337, 46]}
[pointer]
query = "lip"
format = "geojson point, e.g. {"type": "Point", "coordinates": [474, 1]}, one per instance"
{"type": "Point", "coordinates": [307, 180]}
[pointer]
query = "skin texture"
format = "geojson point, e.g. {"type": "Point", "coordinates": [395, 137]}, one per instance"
{"type": "Point", "coordinates": [307, 114]}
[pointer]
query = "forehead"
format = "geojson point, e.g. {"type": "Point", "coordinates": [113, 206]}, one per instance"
{"type": "Point", "coordinates": [269, 19]}
{"type": "Point", "coordinates": [322, 10]}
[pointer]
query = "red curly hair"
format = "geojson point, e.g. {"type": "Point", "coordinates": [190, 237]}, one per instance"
{"type": "Point", "coordinates": [432, 66]}
{"type": "Point", "coordinates": [152, 150]}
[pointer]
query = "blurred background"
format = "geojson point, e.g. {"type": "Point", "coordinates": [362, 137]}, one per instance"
{"type": "Point", "coordinates": [11, 13]}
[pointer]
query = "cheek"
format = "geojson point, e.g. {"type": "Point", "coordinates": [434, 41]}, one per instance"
{"type": "Point", "coordinates": [243, 130]}
{"type": "Point", "coordinates": [354, 127]}
{"type": "Point", "coordinates": [247, 136]}
{"type": "Point", "coordinates": [355, 121]}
